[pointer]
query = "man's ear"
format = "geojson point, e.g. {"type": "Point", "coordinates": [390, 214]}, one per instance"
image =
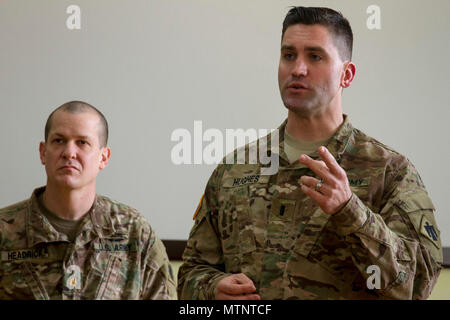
{"type": "Point", "coordinates": [42, 152]}
{"type": "Point", "coordinates": [105, 155]}
{"type": "Point", "coordinates": [348, 74]}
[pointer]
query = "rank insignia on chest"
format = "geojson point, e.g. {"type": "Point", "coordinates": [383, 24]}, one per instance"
{"type": "Point", "coordinates": [282, 209]}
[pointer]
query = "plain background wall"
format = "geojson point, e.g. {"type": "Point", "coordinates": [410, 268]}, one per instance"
{"type": "Point", "coordinates": [153, 66]}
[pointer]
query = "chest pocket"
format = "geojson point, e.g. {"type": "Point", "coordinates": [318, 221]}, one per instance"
{"type": "Point", "coordinates": [242, 220]}
{"type": "Point", "coordinates": [235, 224]}
{"type": "Point", "coordinates": [31, 273]}
{"type": "Point", "coordinates": [112, 272]}
{"type": "Point", "coordinates": [109, 287]}
{"type": "Point", "coordinates": [310, 228]}
{"type": "Point", "coordinates": [18, 280]}
{"type": "Point", "coordinates": [296, 222]}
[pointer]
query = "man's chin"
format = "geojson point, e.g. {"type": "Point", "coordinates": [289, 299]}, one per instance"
{"type": "Point", "coordinates": [300, 109]}
{"type": "Point", "coordinates": [66, 182]}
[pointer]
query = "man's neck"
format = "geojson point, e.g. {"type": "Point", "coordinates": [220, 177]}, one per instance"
{"type": "Point", "coordinates": [69, 203]}
{"type": "Point", "coordinates": [317, 127]}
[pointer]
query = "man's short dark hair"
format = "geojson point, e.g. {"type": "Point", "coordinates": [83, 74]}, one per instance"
{"type": "Point", "coordinates": [334, 21]}
{"type": "Point", "coordinates": [80, 107]}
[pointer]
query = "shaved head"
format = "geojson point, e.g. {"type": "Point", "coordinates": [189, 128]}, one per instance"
{"type": "Point", "coordinates": [75, 107]}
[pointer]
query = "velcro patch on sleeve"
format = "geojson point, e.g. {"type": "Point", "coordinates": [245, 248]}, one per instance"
{"type": "Point", "coordinates": [430, 231]}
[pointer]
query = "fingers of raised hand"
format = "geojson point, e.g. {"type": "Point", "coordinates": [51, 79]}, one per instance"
{"type": "Point", "coordinates": [315, 184]}
{"type": "Point", "coordinates": [331, 163]}
{"type": "Point", "coordinates": [319, 167]}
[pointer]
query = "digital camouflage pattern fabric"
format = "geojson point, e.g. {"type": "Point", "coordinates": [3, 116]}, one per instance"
{"type": "Point", "coordinates": [116, 255]}
{"type": "Point", "coordinates": [268, 229]}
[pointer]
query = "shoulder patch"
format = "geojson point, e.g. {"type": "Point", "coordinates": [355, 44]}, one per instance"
{"type": "Point", "coordinates": [430, 231]}
{"type": "Point", "coordinates": [198, 207]}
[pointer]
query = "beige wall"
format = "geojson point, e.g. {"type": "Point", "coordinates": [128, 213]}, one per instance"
{"type": "Point", "coordinates": [153, 66]}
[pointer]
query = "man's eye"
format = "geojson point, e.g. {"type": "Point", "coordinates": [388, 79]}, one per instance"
{"type": "Point", "coordinates": [58, 140]}
{"type": "Point", "coordinates": [82, 142]}
{"type": "Point", "coordinates": [288, 56]}
{"type": "Point", "coordinates": [316, 57]}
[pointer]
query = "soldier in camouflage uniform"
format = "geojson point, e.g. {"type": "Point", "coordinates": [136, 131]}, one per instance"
{"type": "Point", "coordinates": [351, 220]}
{"type": "Point", "coordinates": [67, 242]}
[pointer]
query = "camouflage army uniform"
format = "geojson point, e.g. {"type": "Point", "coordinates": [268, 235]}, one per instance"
{"type": "Point", "coordinates": [116, 255]}
{"type": "Point", "coordinates": [268, 229]}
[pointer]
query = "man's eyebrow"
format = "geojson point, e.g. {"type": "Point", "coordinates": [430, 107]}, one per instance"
{"type": "Point", "coordinates": [316, 49]}
{"type": "Point", "coordinates": [56, 134]}
{"type": "Point", "coordinates": [63, 136]}
{"type": "Point", "coordinates": [287, 47]}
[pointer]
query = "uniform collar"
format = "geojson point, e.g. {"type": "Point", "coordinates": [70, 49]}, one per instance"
{"type": "Point", "coordinates": [337, 145]}
{"type": "Point", "coordinates": [38, 228]}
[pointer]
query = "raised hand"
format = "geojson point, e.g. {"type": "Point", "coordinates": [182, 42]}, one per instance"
{"type": "Point", "coordinates": [332, 192]}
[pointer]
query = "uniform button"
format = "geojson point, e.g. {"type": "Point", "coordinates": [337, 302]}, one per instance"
{"type": "Point", "coordinates": [401, 276]}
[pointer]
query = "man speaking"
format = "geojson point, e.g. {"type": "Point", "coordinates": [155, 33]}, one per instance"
{"type": "Point", "coordinates": [345, 216]}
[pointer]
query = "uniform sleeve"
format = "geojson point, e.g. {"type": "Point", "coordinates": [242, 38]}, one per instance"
{"type": "Point", "coordinates": [158, 279]}
{"type": "Point", "coordinates": [402, 240]}
{"type": "Point", "coordinates": [203, 265]}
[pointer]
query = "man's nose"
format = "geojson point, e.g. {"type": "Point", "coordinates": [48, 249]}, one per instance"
{"type": "Point", "coordinates": [70, 150]}
{"type": "Point", "coordinates": [300, 68]}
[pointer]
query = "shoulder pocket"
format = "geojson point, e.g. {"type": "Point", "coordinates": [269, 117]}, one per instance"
{"type": "Point", "coordinates": [413, 201]}
{"type": "Point", "coordinates": [419, 209]}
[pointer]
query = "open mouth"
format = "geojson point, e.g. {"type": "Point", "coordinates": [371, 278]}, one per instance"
{"type": "Point", "coordinates": [297, 86]}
